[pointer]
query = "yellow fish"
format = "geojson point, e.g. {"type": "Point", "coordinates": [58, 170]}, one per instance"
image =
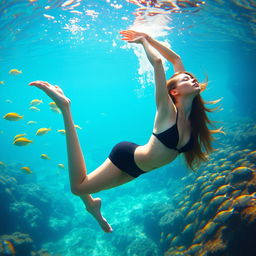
{"type": "Point", "coordinates": [209, 228]}
{"type": "Point", "coordinates": [42, 131]}
{"type": "Point", "coordinates": [36, 102]}
{"type": "Point", "coordinates": [19, 135]}
{"type": "Point", "coordinates": [22, 141]}
{"type": "Point", "coordinates": [188, 228]}
{"type": "Point", "coordinates": [223, 215]}
{"type": "Point", "coordinates": [61, 166]}
{"type": "Point", "coordinates": [12, 117]}
{"type": "Point", "coordinates": [15, 72]}
{"type": "Point", "coordinates": [78, 127]}
{"type": "Point", "coordinates": [31, 122]}
{"type": "Point", "coordinates": [62, 131]}
{"type": "Point", "coordinates": [52, 104]}
{"type": "Point", "coordinates": [34, 108]}
{"type": "Point", "coordinates": [56, 110]}
{"type": "Point", "coordinates": [1, 82]}
{"type": "Point", "coordinates": [243, 200]}
{"type": "Point", "coordinates": [26, 169]}
{"type": "Point", "coordinates": [44, 156]}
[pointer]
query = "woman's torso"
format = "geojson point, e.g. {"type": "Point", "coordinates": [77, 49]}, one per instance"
{"type": "Point", "coordinates": [155, 154]}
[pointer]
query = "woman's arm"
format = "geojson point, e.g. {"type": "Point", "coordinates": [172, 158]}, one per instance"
{"type": "Point", "coordinates": [163, 101]}
{"type": "Point", "coordinates": [167, 53]}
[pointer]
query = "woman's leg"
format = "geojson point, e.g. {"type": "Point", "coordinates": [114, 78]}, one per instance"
{"type": "Point", "coordinates": [105, 176]}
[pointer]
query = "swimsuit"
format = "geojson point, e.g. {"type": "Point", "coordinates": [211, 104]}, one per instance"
{"type": "Point", "coordinates": [122, 154]}
{"type": "Point", "coordinates": [170, 138]}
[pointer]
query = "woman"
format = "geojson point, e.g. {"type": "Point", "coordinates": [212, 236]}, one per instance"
{"type": "Point", "coordinates": [179, 122]}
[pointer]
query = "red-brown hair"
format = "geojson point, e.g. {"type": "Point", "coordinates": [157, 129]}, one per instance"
{"type": "Point", "coordinates": [202, 136]}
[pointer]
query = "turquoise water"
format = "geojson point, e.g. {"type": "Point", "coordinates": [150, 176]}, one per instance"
{"type": "Point", "coordinates": [111, 86]}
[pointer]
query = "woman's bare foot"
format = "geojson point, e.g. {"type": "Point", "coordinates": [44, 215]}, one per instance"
{"type": "Point", "coordinates": [94, 209]}
{"type": "Point", "coordinates": [54, 92]}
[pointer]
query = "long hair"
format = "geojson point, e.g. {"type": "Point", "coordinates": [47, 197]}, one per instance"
{"type": "Point", "coordinates": [202, 136]}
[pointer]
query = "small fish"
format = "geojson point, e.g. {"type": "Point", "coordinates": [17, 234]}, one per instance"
{"type": "Point", "coordinates": [207, 197]}
{"type": "Point", "coordinates": [34, 108]}
{"type": "Point", "coordinates": [26, 169]}
{"type": "Point", "coordinates": [241, 173]}
{"type": "Point", "coordinates": [222, 190]}
{"type": "Point", "coordinates": [44, 156]}
{"type": "Point", "coordinates": [8, 248]}
{"type": "Point", "coordinates": [15, 72]}
{"type": "Point", "coordinates": [190, 214]}
{"type": "Point", "coordinates": [217, 200]}
{"type": "Point", "coordinates": [12, 117]}
{"type": "Point", "coordinates": [201, 178]}
{"type": "Point", "coordinates": [36, 102]}
{"type": "Point", "coordinates": [208, 188]}
{"type": "Point", "coordinates": [169, 236]}
{"type": "Point", "coordinates": [252, 154]}
{"type": "Point", "coordinates": [55, 110]}
{"type": "Point", "coordinates": [31, 122]}
{"type": "Point", "coordinates": [200, 209]}
{"type": "Point", "coordinates": [42, 131]}
{"type": "Point", "coordinates": [175, 240]}
{"type": "Point", "coordinates": [1, 82]}
{"type": "Point", "coordinates": [61, 166]}
{"type": "Point", "coordinates": [214, 175]}
{"type": "Point", "coordinates": [225, 205]}
{"type": "Point", "coordinates": [78, 127]}
{"type": "Point", "coordinates": [219, 180]}
{"type": "Point", "coordinates": [188, 228]}
{"type": "Point", "coordinates": [222, 216]}
{"type": "Point", "coordinates": [204, 184]}
{"type": "Point", "coordinates": [19, 135]}
{"type": "Point", "coordinates": [61, 131]}
{"type": "Point", "coordinates": [49, 17]}
{"type": "Point", "coordinates": [243, 200]}
{"type": "Point", "coordinates": [22, 141]}
{"type": "Point", "coordinates": [66, 3]}
{"type": "Point", "coordinates": [184, 210]}
{"type": "Point", "coordinates": [8, 101]}
{"type": "Point", "coordinates": [195, 205]}
{"type": "Point", "coordinates": [209, 228]}
{"type": "Point", "coordinates": [52, 104]}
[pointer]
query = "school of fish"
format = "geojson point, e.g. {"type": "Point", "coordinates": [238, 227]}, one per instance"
{"type": "Point", "coordinates": [22, 139]}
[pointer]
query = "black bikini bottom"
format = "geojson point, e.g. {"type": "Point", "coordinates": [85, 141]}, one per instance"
{"type": "Point", "coordinates": [122, 156]}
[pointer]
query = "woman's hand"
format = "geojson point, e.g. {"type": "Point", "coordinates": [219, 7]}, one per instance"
{"type": "Point", "coordinates": [133, 36]}
{"type": "Point", "coordinates": [54, 92]}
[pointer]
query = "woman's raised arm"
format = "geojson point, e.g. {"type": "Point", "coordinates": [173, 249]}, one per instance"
{"type": "Point", "coordinates": [163, 101]}
{"type": "Point", "coordinates": [167, 53]}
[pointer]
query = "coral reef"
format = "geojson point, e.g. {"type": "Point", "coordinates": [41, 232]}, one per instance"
{"type": "Point", "coordinates": [28, 214]}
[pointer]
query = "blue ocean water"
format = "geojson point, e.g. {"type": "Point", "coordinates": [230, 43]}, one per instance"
{"type": "Point", "coordinates": [76, 45]}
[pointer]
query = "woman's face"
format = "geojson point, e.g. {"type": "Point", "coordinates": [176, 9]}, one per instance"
{"type": "Point", "coordinates": [187, 85]}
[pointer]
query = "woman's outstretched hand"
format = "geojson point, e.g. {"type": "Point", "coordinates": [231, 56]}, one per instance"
{"type": "Point", "coordinates": [133, 36]}
{"type": "Point", "coordinates": [54, 92]}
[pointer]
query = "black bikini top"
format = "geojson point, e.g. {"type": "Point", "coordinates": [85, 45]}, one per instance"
{"type": "Point", "coordinates": [170, 138]}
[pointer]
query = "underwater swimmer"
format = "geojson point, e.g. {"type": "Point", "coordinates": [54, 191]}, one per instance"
{"type": "Point", "coordinates": [175, 130]}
